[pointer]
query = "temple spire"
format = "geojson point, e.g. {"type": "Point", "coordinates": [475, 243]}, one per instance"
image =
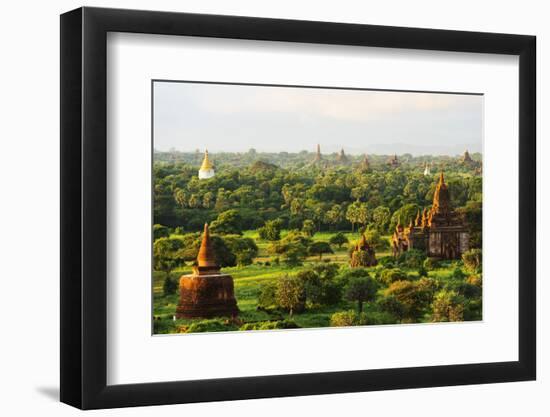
{"type": "Point", "coordinates": [207, 168]}
{"type": "Point", "coordinates": [418, 220]}
{"type": "Point", "coordinates": [342, 158]}
{"type": "Point", "coordinates": [441, 201]}
{"type": "Point", "coordinates": [364, 165]}
{"type": "Point", "coordinates": [206, 164]}
{"type": "Point", "coordinates": [206, 255]}
{"type": "Point", "coordinates": [318, 156]}
{"type": "Point", "coordinates": [425, 220]}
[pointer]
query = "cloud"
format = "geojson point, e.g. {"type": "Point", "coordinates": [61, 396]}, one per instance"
{"type": "Point", "coordinates": [351, 105]}
{"type": "Point", "coordinates": [234, 118]}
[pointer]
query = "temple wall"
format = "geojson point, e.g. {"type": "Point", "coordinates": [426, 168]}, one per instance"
{"type": "Point", "coordinates": [434, 245]}
{"type": "Point", "coordinates": [464, 242]}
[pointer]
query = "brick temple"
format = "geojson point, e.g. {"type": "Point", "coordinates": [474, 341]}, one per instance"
{"type": "Point", "coordinates": [206, 292]}
{"type": "Point", "coordinates": [439, 232]}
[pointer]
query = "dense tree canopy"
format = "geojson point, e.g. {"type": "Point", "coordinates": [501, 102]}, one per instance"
{"type": "Point", "coordinates": [273, 217]}
{"type": "Point", "coordinates": [252, 189]}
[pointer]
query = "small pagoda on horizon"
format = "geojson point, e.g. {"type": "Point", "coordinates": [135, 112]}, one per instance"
{"type": "Point", "coordinates": [207, 168]}
{"type": "Point", "coordinates": [427, 169]}
{"type": "Point", "coordinates": [341, 158]}
{"type": "Point", "coordinates": [466, 158]}
{"type": "Point", "coordinates": [206, 292]}
{"type": "Point", "coordinates": [364, 165]}
{"type": "Point", "coordinates": [393, 161]}
{"type": "Point", "coordinates": [318, 157]}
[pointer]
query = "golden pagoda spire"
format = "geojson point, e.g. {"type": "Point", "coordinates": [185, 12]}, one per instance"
{"type": "Point", "coordinates": [206, 255]}
{"type": "Point", "coordinates": [206, 164]}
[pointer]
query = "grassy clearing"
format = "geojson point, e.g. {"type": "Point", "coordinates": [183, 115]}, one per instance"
{"type": "Point", "coordinates": [249, 279]}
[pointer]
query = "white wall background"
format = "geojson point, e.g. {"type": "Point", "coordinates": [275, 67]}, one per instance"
{"type": "Point", "coordinates": [29, 213]}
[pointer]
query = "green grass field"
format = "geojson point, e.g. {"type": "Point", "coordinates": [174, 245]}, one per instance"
{"type": "Point", "coordinates": [248, 281]}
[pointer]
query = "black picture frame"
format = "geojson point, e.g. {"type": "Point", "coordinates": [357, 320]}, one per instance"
{"type": "Point", "coordinates": [84, 207]}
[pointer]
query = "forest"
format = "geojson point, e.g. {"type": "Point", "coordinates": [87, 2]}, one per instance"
{"type": "Point", "coordinates": [284, 228]}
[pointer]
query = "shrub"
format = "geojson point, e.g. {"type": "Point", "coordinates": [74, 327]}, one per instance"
{"type": "Point", "coordinates": [348, 318]}
{"type": "Point", "coordinates": [320, 286]}
{"type": "Point", "coordinates": [428, 287]}
{"type": "Point", "coordinates": [338, 239]}
{"type": "Point", "coordinates": [179, 230]}
{"type": "Point", "coordinates": [374, 239]}
{"type": "Point", "coordinates": [228, 222]}
{"type": "Point", "coordinates": [387, 261]}
{"type": "Point", "coordinates": [422, 272]}
{"type": "Point", "coordinates": [319, 248]}
{"type": "Point", "coordinates": [348, 274]}
{"type": "Point", "coordinates": [212, 325]}
{"type": "Point", "coordinates": [388, 276]}
{"type": "Point", "coordinates": [473, 310]}
{"type": "Point", "coordinates": [163, 325]}
{"type": "Point", "coordinates": [475, 280]}
{"type": "Point", "coordinates": [413, 258]}
{"type": "Point", "coordinates": [271, 230]}
{"type": "Point", "coordinates": [267, 298]}
{"type": "Point", "coordinates": [458, 275]}
{"type": "Point", "coordinates": [290, 294]}
{"type": "Point", "coordinates": [361, 289]}
{"type": "Point", "coordinates": [167, 254]}
{"type": "Point", "coordinates": [160, 231]}
{"type": "Point", "coordinates": [392, 306]}
{"type": "Point", "coordinates": [308, 228]}
{"type": "Point", "coordinates": [464, 288]}
{"type": "Point", "coordinates": [244, 248]}
{"type": "Point", "coordinates": [411, 297]}
{"type": "Point", "coordinates": [472, 260]}
{"type": "Point", "coordinates": [170, 286]}
{"type": "Point", "coordinates": [431, 263]}
{"type": "Point", "coordinates": [270, 325]}
{"type": "Point", "coordinates": [448, 306]}
{"type": "Point", "coordinates": [293, 248]}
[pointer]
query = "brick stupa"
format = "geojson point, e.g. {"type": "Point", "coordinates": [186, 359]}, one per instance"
{"type": "Point", "coordinates": [206, 292]}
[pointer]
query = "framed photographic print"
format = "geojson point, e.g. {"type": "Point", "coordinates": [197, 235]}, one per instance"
{"type": "Point", "coordinates": [258, 207]}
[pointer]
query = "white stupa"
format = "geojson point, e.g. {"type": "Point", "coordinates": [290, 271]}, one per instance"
{"type": "Point", "coordinates": [427, 170]}
{"type": "Point", "coordinates": [207, 169]}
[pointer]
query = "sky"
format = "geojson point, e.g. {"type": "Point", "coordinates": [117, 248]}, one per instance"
{"type": "Point", "coordinates": [235, 118]}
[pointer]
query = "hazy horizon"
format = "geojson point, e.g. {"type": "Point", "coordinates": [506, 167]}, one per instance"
{"type": "Point", "coordinates": [235, 118]}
